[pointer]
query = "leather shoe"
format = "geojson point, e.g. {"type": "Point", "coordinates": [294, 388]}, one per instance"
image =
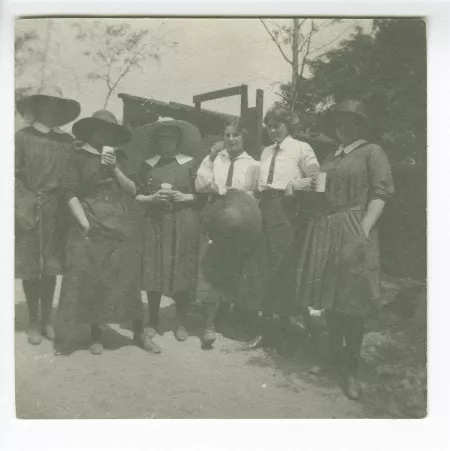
{"type": "Point", "coordinates": [181, 334]}
{"type": "Point", "coordinates": [353, 388]}
{"type": "Point", "coordinates": [96, 348]}
{"type": "Point", "coordinates": [48, 331]}
{"type": "Point", "coordinates": [145, 342]}
{"type": "Point", "coordinates": [153, 331]}
{"type": "Point", "coordinates": [256, 343]}
{"type": "Point", "coordinates": [209, 338]}
{"type": "Point", "coordinates": [34, 335]}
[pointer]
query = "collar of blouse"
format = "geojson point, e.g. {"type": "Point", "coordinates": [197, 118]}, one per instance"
{"type": "Point", "coordinates": [180, 157]}
{"type": "Point", "coordinates": [44, 129]}
{"type": "Point", "coordinates": [244, 155]}
{"type": "Point", "coordinates": [350, 148]}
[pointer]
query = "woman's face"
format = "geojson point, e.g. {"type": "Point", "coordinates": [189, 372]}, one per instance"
{"type": "Point", "coordinates": [100, 138]}
{"type": "Point", "coordinates": [48, 113]}
{"type": "Point", "coordinates": [234, 140]}
{"type": "Point", "coordinates": [277, 131]}
{"type": "Point", "coordinates": [348, 129]}
{"type": "Point", "coordinates": [167, 142]}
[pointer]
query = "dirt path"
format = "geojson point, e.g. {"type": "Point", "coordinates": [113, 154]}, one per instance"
{"type": "Point", "coordinates": [183, 382]}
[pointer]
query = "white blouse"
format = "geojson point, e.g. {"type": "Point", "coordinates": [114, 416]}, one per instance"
{"type": "Point", "coordinates": [212, 175]}
{"type": "Point", "coordinates": [295, 160]}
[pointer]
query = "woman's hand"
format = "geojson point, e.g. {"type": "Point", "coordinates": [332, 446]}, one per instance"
{"type": "Point", "coordinates": [179, 197]}
{"type": "Point", "coordinates": [215, 149]}
{"type": "Point", "coordinates": [303, 184]}
{"type": "Point", "coordinates": [160, 197]}
{"type": "Point", "coordinates": [86, 227]}
{"type": "Point", "coordinates": [366, 229]}
{"type": "Point", "coordinates": [109, 158]}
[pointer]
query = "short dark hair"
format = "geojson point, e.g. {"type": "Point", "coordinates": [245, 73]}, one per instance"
{"type": "Point", "coordinates": [238, 124]}
{"type": "Point", "coordinates": [281, 114]}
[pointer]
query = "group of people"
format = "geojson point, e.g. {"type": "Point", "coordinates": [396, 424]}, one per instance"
{"type": "Point", "coordinates": [230, 221]}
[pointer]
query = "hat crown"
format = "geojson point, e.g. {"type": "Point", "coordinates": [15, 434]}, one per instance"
{"type": "Point", "coordinates": [352, 106]}
{"type": "Point", "coordinates": [106, 116]}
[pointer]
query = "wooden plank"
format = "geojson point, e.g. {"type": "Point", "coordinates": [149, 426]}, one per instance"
{"type": "Point", "coordinates": [259, 107]}
{"type": "Point", "coordinates": [244, 100]}
{"type": "Point", "coordinates": [217, 94]}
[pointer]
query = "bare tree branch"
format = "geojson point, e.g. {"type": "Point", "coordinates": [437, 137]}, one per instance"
{"type": "Point", "coordinates": [330, 42]}
{"type": "Point", "coordinates": [276, 42]}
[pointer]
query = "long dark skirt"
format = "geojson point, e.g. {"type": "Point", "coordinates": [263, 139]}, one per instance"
{"type": "Point", "coordinates": [101, 285]}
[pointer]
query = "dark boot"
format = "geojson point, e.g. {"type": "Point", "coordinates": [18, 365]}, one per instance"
{"type": "Point", "coordinates": [31, 289]}
{"type": "Point", "coordinates": [352, 387]}
{"type": "Point", "coordinates": [142, 340]}
{"type": "Point", "coordinates": [335, 328]}
{"type": "Point", "coordinates": [47, 290]}
{"type": "Point", "coordinates": [354, 332]}
{"type": "Point", "coordinates": [96, 338]}
{"type": "Point", "coordinates": [154, 303]}
{"type": "Point", "coordinates": [220, 321]}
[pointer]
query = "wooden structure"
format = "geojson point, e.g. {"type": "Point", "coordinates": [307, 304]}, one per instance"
{"type": "Point", "coordinates": [138, 111]}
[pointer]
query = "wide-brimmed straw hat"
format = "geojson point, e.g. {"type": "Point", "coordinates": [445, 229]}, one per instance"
{"type": "Point", "coordinates": [190, 135]}
{"type": "Point", "coordinates": [64, 110]}
{"type": "Point", "coordinates": [353, 107]}
{"type": "Point", "coordinates": [117, 135]}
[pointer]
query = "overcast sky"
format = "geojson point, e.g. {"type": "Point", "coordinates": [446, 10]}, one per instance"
{"type": "Point", "coordinates": [211, 54]}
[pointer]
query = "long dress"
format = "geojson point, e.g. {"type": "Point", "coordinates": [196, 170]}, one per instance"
{"type": "Point", "coordinates": [171, 235]}
{"type": "Point", "coordinates": [339, 267]}
{"type": "Point", "coordinates": [101, 285]}
{"type": "Point", "coordinates": [40, 215]}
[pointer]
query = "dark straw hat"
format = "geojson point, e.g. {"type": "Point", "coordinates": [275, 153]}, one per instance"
{"type": "Point", "coordinates": [64, 110]}
{"type": "Point", "coordinates": [353, 107]}
{"type": "Point", "coordinates": [190, 134]}
{"type": "Point", "coordinates": [104, 120]}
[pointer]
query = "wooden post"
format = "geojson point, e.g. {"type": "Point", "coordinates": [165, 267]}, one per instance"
{"type": "Point", "coordinates": [244, 100]}
{"type": "Point", "coordinates": [259, 106]}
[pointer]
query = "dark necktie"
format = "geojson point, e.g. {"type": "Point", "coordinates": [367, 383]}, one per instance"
{"type": "Point", "coordinates": [229, 181]}
{"type": "Point", "coordinates": [272, 165]}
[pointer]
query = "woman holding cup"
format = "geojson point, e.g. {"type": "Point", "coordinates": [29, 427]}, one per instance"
{"type": "Point", "coordinates": [101, 284]}
{"type": "Point", "coordinates": [171, 231]}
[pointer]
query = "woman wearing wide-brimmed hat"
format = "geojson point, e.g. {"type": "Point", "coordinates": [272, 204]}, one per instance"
{"type": "Point", "coordinates": [41, 152]}
{"type": "Point", "coordinates": [171, 229]}
{"type": "Point", "coordinates": [232, 223]}
{"type": "Point", "coordinates": [339, 268]}
{"type": "Point", "coordinates": [101, 284]}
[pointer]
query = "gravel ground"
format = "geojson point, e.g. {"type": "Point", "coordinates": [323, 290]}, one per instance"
{"type": "Point", "coordinates": [183, 382]}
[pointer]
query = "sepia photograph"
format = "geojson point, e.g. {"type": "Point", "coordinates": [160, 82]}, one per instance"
{"type": "Point", "coordinates": [220, 218]}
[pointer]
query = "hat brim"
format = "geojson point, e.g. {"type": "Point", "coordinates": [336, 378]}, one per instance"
{"type": "Point", "coordinates": [65, 110]}
{"type": "Point", "coordinates": [341, 112]}
{"type": "Point", "coordinates": [190, 136]}
{"type": "Point", "coordinates": [117, 134]}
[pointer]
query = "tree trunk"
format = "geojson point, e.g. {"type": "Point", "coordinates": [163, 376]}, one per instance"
{"type": "Point", "coordinates": [295, 47]}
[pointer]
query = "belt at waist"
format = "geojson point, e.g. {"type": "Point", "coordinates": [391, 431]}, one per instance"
{"type": "Point", "coordinates": [333, 210]}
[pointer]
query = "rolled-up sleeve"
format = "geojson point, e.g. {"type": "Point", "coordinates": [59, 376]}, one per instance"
{"type": "Point", "coordinates": [205, 175]}
{"type": "Point", "coordinates": [308, 164]}
{"type": "Point", "coordinates": [380, 174]}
